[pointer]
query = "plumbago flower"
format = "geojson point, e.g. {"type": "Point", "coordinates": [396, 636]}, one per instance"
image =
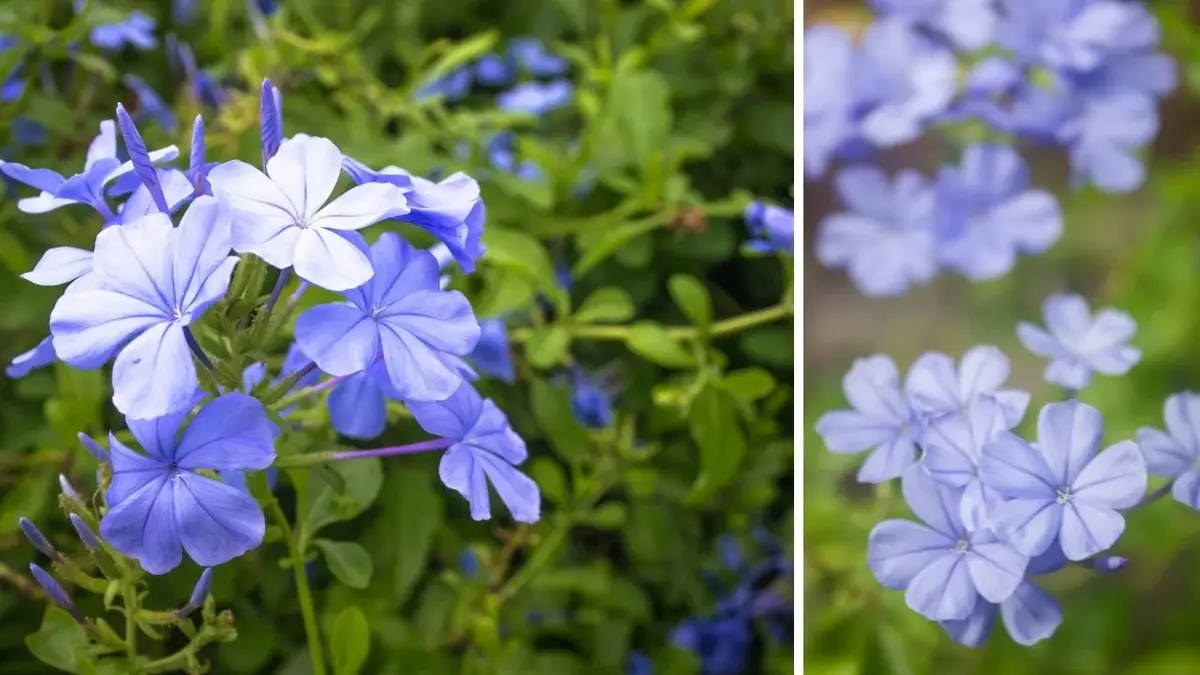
{"type": "Point", "coordinates": [1175, 454]}
{"type": "Point", "coordinates": [882, 420]}
{"type": "Point", "coordinates": [1062, 490]}
{"type": "Point", "coordinates": [281, 215]}
{"type": "Point", "coordinates": [773, 228]}
{"type": "Point", "coordinates": [937, 387]}
{"type": "Point", "coordinates": [1030, 614]}
{"type": "Point", "coordinates": [400, 317]}
{"type": "Point", "coordinates": [966, 24]}
{"type": "Point", "coordinates": [483, 448]}
{"type": "Point", "coordinates": [954, 445]}
{"type": "Point", "coordinates": [1078, 343]}
{"type": "Point", "coordinates": [159, 506]}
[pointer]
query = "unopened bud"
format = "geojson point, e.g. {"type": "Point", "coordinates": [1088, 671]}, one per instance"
{"type": "Point", "coordinates": [95, 448]}
{"type": "Point", "coordinates": [85, 533]}
{"type": "Point", "coordinates": [1108, 563]}
{"type": "Point", "coordinates": [199, 593]}
{"type": "Point", "coordinates": [36, 538]}
{"type": "Point", "coordinates": [55, 590]}
{"type": "Point", "coordinates": [67, 489]}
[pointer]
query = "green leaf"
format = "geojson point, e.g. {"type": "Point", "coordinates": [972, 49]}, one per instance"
{"type": "Point", "coordinates": [27, 498]}
{"type": "Point", "coordinates": [350, 641]}
{"type": "Point", "coordinates": [412, 491]}
{"type": "Point", "coordinates": [547, 346]}
{"type": "Point", "coordinates": [652, 342]}
{"type": "Point", "coordinates": [748, 384]}
{"type": "Point", "coordinates": [692, 298]}
{"type": "Point", "coordinates": [459, 54]}
{"type": "Point", "coordinates": [362, 479]}
{"type": "Point", "coordinates": [773, 345]}
{"type": "Point", "coordinates": [602, 245]}
{"type": "Point", "coordinates": [609, 304]}
{"type": "Point", "coordinates": [58, 640]}
{"type": "Point", "coordinates": [552, 411]}
{"type": "Point", "coordinates": [641, 102]}
{"type": "Point", "coordinates": [526, 256]}
{"type": "Point", "coordinates": [549, 478]}
{"type": "Point", "coordinates": [608, 516]}
{"type": "Point", "coordinates": [715, 428]}
{"type": "Point", "coordinates": [348, 561]}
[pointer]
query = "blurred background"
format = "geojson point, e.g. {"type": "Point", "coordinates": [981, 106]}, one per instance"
{"type": "Point", "coordinates": [617, 144]}
{"type": "Point", "coordinates": [1137, 252]}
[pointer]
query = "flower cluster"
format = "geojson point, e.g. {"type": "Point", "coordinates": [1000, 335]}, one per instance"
{"type": "Point", "coordinates": [1084, 76]}
{"type": "Point", "coordinates": [152, 296]}
{"type": "Point", "coordinates": [536, 96]}
{"type": "Point", "coordinates": [997, 510]}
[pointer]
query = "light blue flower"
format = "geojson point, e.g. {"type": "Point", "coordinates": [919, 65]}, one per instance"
{"type": "Point", "coordinates": [1078, 343]}
{"type": "Point", "coordinates": [1175, 454]}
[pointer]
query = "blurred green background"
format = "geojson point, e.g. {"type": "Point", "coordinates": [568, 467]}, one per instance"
{"type": "Point", "coordinates": [1137, 252]}
{"type": "Point", "coordinates": [681, 113]}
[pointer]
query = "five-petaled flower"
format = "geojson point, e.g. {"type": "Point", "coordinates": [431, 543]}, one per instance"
{"type": "Point", "coordinates": [1176, 453]}
{"type": "Point", "coordinates": [1079, 343]}
{"type": "Point", "coordinates": [485, 449]}
{"type": "Point", "coordinates": [159, 506]}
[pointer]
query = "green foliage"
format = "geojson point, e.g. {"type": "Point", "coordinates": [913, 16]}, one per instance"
{"type": "Point", "coordinates": [681, 112]}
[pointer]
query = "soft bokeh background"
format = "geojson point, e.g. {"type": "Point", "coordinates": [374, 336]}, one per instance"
{"type": "Point", "coordinates": [682, 112]}
{"type": "Point", "coordinates": [1137, 252]}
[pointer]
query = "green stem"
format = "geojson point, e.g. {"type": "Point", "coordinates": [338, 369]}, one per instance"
{"type": "Point", "coordinates": [311, 633]}
{"type": "Point", "coordinates": [179, 660]}
{"type": "Point", "coordinates": [129, 591]}
{"type": "Point", "coordinates": [725, 327]}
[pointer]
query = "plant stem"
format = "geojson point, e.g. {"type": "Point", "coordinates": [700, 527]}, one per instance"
{"type": "Point", "coordinates": [196, 349]}
{"type": "Point", "coordinates": [301, 394]}
{"type": "Point", "coordinates": [130, 592]}
{"type": "Point", "coordinates": [303, 593]}
{"type": "Point", "coordinates": [1152, 497]}
{"type": "Point", "coordinates": [308, 459]}
{"type": "Point", "coordinates": [725, 327]}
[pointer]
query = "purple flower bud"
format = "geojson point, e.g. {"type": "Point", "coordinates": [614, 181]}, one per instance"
{"type": "Point", "coordinates": [199, 593]}
{"type": "Point", "coordinates": [67, 489]}
{"type": "Point", "coordinates": [85, 533]}
{"type": "Point", "coordinates": [1107, 563]}
{"type": "Point", "coordinates": [95, 448]}
{"type": "Point", "coordinates": [55, 590]}
{"type": "Point", "coordinates": [35, 537]}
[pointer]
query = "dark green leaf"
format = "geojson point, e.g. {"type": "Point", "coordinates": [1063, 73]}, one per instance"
{"type": "Point", "coordinates": [348, 561]}
{"type": "Point", "coordinates": [716, 430]}
{"type": "Point", "coordinates": [609, 304]}
{"type": "Point", "coordinates": [548, 346]}
{"type": "Point", "coordinates": [58, 640]}
{"type": "Point", "coordinates": [692, 298]}
{"type": "Point", "coordinates": [552, 410]}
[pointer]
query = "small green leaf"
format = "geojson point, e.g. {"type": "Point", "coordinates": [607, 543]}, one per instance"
{"type": "Point", "coordinates": [549, 478]}
{"type": "Point", "coordinates": [609, 304]}
{"type": "Point", "coordinates": [692, 298]}
{"type": "Point", "coordinates": [348, 561]}
{"type": "Point", "coordinates": [652, 342]}
{"type": "Point", "coordinates": [460, 54]}
{"type": "Point", "coordinates": [748, 384]}
{"type": "Point", "coordinates": [602, 245]}
{"type": "Point", "coordinates": [547, 346]}
{"type": "Point", "coordinates": [773, 345]}
{"type": "Point", "coordinates": [552, 412]}
{"type": "Point", "coordinates": [58, 640]}
{"type": "Point", "coordinates": [715, 429]}
{"type": "Point", "coordinates": [608, 516]}
{"type": "Point", "coordinates": [361, 478]}
{"type": "Point", "coordinates": [350, 641]}
{"type": "Point", "coordinates": [412, 491]}
{"type": "Point", "coordinates": [525, 255]}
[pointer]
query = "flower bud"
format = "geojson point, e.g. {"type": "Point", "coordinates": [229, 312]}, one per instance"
{"type": "Point", "coordinates": [67, 489]}
{"type": "Point", "coordinates": [1107, 563]}
{"type": "Point", "coordinates": [95, 448]}
{"type": "Point", "coordinates": [199, 593]}
{"type": "Point", "coordinates": [37, 539]}
{"type": "Point", "coordinates": [55, 590]}
{"type": "Point", "coordinates": [85, 533]}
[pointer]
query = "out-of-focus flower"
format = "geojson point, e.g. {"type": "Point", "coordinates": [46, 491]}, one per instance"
{"type": "Point", "coordinates": [773, 228]}
{"type": "Point", "coordinates": [535, 98]}
{"type": "Point", "coordinates": [1079, 343]}
{"type": "Point", "coordinates": [967, 24]}
{"type": "Point", "coordinates": [1175, 454]}
{"type": "Point", "coordinates": [137, 31]}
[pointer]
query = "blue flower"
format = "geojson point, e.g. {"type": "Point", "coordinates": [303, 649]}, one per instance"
{"type": "Point", "coordinates": [453, 86]}
{"type": "Point", "coordinates": [485, 449]}
{"type": "Point", "coordinates": [1030, 614]}
{"type": "Point", "coordinates": [54, 590]}
{"type": "Point", "coordinates": [451, 210]}
{"type": "Point", "coordinates": [156, 280]}
{"type": "Point", "coordinates": [1175, 454]}
{"type": "Point", "coordinates": [159, 506]}
{"type": "Point", "coordinates": [773, 228]}
{"type": "Point", "coordinates": [468, 563]}
{"type": "Point", "coordinates": [885, 241]}
{"type": "Point", "coordinates": [829, 105]}
{"type": "Point", "coordinates": [722, 644]}
{"type": "Point", "coordinates": [533, 56]}
{"type": "Point", "coordinates": [494, 70]}
{"type": "Point", "coordinates": [12, 83]}
{"type": "Point", "coordinates": [589, 402]}
{"type": "Point", "coordinates": [400, 314]}
{"type": "Point", "coordinates": [987, 214]}
{"type": "Point", "coordinates": [358, 405]}
{"type": "Point", "coordinates": [882, 420]}
{"type": "Point", "coordinates": [26, 362]}
{"type": "Point", "coordinates": [944, 568]}
{"type": "Point", "coordinates": [535, 98]}
{"type": "Point", "coordinates": [1103, 136]}
{"type": "Point", "coordinates": [492, 355]}
{"type": "Point", "coordinates": [90, 187]}
{"type": "Point", "coordinates": [953, 445]}
{"type": "Point", "coordinates": [1078, 343]}
{"type": "Point", "coordinates": [639, 664]}
{"type": "Point", "coordinates": [967, 24]}
{"type": "Point", "coordinates": [137, 31]}
{"type": "Point", "coordinates": [936, 387]}
{"type": "Point", "coordinates": [281, 215]}
{"type": "Point", "coordinates": [1061, 488]}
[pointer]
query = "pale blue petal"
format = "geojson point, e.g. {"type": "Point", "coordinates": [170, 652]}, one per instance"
{"type": "Point", "coordinates": [1038, 341]}
{"type": "Point", "coordinates": [1186, 489]}
{"type": "Point", "coordinates": [943, 590]}
{"type": "Point", "coordinates": [1068, 435]}
{"type": "Point", "coordinates": [131, 259]}
{"type": "Point", "coordinates": [453, 211]}
{"type": "Point", "coordinates": [934, 503]}
{"type": "Point", "coordinates": [851, 431]}
{"type": "Point", "coordinates": [897, 550]}
{"type": "Point", "coordinates": [932, 383]}
{"type": "Point", "coordinates": [1030, 615]}
{"type": "Point", "coordinates": [202, 244]}
{"type": "Point", "coordinates": [340, 339]}
{"type": "Point", "coordinates": [306, 169]}
{"type": "Point", "coordinates": [491, 354]}
{"type": "Point", "coordinates": [264, 221]}
{"type": "Point", "coordinates": [1116, 478]}
{"type": "Point", "coordinates": [154, 374]}
{"type": "Point", "coordinates": [443, 320]}
{"type": "Point", "coordinates": [89, 326]}
{"type": "Point", "coordinates": [361, 206]}
{"type": "Point", "coordinates": [974, 630]}
{"type": "Point", "coordinates": [44, 180]}
{"type": "Point", "coordinates": [518, 491]}
{"type": "Point", "coordinates": [982, 371]}
{"type": "Point", "coordinates": [60, 265]}
{"type": "Point", "coordinates": [1070, 373]}
{"type": "Point", "coordinates": [231, 432]}
{"type": "Point", "coordinates": [130, 471]}
{"type": "Point", "coordinates": [1028, 524]}
{"type": "Point", "coordinates": [996, 569]}
{"type": "Point", "coordinates": [26, 362]}
{"type": "Point", "coordinates": [358, 408]}
{"type": "Point", "coordinates": [951, 455]}
{"type": "Point", "coordinates": [158, 436]}
{"type": "Point", "coordinates": [453, 417]}
{"type": "Point", "coordinates": [1016, 469]}
{"type": "Point", "coordinates": [143, 526]}
{"type": "Point", "coordinates": [872, 386]}
{"type": "Point", "coordinates": [1165, 456]}
{"type": "Point", "coordinates": [1013, 404]}
{"type": "Point", "coordinates": [1087, 529]}
{"type": "Point", "coordinates": [217, 522]}
{"type": "Point", "coordinates": [888, 461]}
{"type": "Point", "coordinates": [324, 258]}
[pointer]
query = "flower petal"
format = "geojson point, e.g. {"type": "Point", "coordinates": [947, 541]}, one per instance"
{"type": "Point", "coordinates": [943, 590]}
{"type": "Point", "coordinates": [42, 354]}
{"type": "Point", "coordinates": [889, 460]}
{"type": "Point", "coordinates": [518, 491]}
{"type": "Point", "coordinates": [217, 522]}
{"type": "Point", "coordinates": [89, 326]}
{"type": "Point", "coordinates": [1186, 489]}
{"type": "Point", "coordinates": [231, 432]}
{"type": "Point", "coordinates": [937, 505]}
{"type": "Point", "coordinates": [361, 206]}
{"type": "Point", "coordinates": [154, 374]}
{"type": "Point", "coordinates": [996, 569]}
{"type": "Point", "coordinates": [306, 169]}
{"type": "Point", "coordinates": [1030, 615]}
{"type": "Point", "coordinates": [357, 407]}
{"type": "Point", "coordinates": [1038, 341]}
{"type": "Point", "coordinates": [897, 550]}
{"type": "Point", "coordinates": [1116, 478]}
{"type": "Point", "coordinates": [143, 526]}
{"type": "Point", "coordinates": [1067, 316]}
{"type": "Point", "coordinates": [974, 630]}
{"type": "Point", "coordinates": [851, 431]}
{"type": "Point", "coordinates": [339, 338]}
{"type": "Point", "coordinates": [1087, 529]}
{"type": "Point", "coordinates": [1165, 456]}
{"type": "Point", "coordinates": [132, 258]}
{"type": "Point", "coordinates": [326, 259]}
{"type": "Point", "coordinates": [130, 471]}
{"type": "Point", "coordinates": [1182, 415]}
{"type": "Point", "coordinates": [1068, 436]}
{"type": "Point", "coordinates": [1015, 468]}
{"type": "Point", "coordinates": [1028, 524]}
{"type": "Point", "coordinates": [443, 320]}
{"type": "Point", "coordinates": [60, 265]}
{"type": "Point", "coordinates": [158, 436]}
{"type": "Point", "coordinates": [202, 244]}
{"type": "Point", "coordinates": [416, 372]}
{"type": "Point", "coordinates": [261, 214]}
{"type": "Point", "coordinates": [452, 417]}
{"type": "Point", "coordinates": [982, 371]}
{"type": "Point", "coordinates": [933, 384]}
{"type": "Point", "coordinates": [872, 386]}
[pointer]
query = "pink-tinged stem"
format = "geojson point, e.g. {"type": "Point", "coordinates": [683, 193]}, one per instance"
{"type": "Point", "coordinates": [422, 446]}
